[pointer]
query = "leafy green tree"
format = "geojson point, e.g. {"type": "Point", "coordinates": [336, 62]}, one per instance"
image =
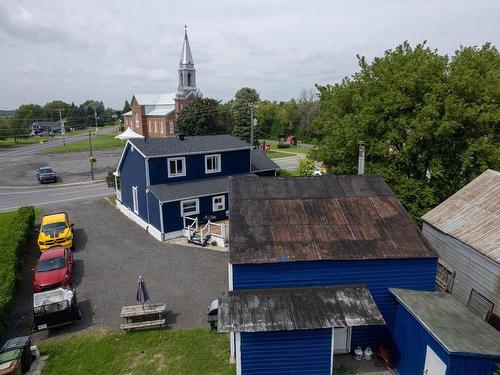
{"type": "Point", "coordinates": [126, 107]}
{"type": "Point", "coordinates": [20, 123]}
{"type": "Point", "coordinates": [51, 109]}
{"type": "Point", "coordinates": [244, 99]}
{"type": "Point", "coordinates": [429, 122]}
{"type": "Point", "coordinates": [306, 167]}
{"type": "Point", "coordinates": [200, 117]}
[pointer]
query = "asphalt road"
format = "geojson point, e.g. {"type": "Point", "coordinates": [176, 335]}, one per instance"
{"type": "Point", "coordinates": [289, 162]}
{"type": "Point", "coordinates": [12, 198]}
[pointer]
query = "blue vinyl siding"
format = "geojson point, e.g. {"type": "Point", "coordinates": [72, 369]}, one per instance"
{"type": "Point", "coordinates": [172, 219]}
{"type": "Point", "coordinates": [378, 275]}
{"type": "Point", "coordinates": [133, 173]}
{"type": "Point", "coordinates": [154, 211]}
{"type": "Point", "coordinates": [286, 352]}
{"type": "Point", "coordinates": [410, 345]}
{"type": "Point", "coordinates": [232, 162]}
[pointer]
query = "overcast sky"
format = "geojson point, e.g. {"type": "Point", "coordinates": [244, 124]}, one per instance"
{"type": "Point", "coordinates": [108, 50]}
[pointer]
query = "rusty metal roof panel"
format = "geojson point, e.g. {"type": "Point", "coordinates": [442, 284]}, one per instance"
{"type": "Point", "coordinates": [279, 309]}
{"type": "Point", "coordinates": [319, 218]}
{"type": "Point", "coordinates": [472, 215]}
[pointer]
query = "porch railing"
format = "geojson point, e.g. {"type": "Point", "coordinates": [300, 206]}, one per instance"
{"type": "Point", "coordinates": [191, 225]}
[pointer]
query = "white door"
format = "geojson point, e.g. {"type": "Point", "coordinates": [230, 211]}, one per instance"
{"type": "Point", "coordinates": [433, 364]}
{"type": "Point", "coordinates": [341, 340]}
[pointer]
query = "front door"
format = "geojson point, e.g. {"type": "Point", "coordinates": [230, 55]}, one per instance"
{"type": "Point", "coordinates": [341, 340]}
{"type": "Point", "coordinates": [433, 364]}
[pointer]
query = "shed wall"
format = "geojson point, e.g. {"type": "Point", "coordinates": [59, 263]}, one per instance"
{"type": "Point", "coordinates": [286, 352]}
{"type": "Point", "coordinates": [377, 275]}
{"type": "Point", "coordinates": [133, 173]}
{"type": "Point", "coordinates": [153, 210]}
{"type": "Point", "coordinates": [232, 162]}
{"type": "Point", "coordinates": [473, 270]}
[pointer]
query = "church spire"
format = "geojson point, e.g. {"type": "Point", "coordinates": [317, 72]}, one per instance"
{"type": "Point", "coordinates": [186, 57]}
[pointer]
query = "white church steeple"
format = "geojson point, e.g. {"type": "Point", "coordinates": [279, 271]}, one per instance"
{"type": "Point", "coordinates": [187, 72]}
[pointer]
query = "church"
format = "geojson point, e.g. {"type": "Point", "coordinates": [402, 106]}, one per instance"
{"type": "Point", "coordinates": [154, 115]}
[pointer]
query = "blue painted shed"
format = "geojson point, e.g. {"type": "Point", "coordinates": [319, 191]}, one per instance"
{"type": "Point", "coordinates": [436, 334]}
{"type": "Point", "coordinates": [291, 330]}
{"type": "Point", "coordinates": [323, 231]}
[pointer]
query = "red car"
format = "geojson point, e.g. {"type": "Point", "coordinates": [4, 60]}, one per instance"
{"type": "Point", "coordinates": [53, 269]}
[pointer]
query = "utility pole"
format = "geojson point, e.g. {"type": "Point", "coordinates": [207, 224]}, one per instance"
{"type": "Point", "coordinates": [253, 124]}
{"type": "Point", "coordinates": [91, 158]}
{"type": "Point", "coordinates": [95, 119]}
{"type": "Point", "coordinates": [63, 130]}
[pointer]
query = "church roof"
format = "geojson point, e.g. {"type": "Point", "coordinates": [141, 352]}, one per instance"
{"type": "Point", "coordinates": [186, 57]}
{"type": "Point", "coordinates": [155, 99]}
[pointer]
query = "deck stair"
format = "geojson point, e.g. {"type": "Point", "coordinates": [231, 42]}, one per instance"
{"type": "Point", "coordinates": [203, 234]}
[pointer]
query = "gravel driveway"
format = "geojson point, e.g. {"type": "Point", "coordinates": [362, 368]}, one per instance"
{"type": "Point", "coordinates": [111, 251]}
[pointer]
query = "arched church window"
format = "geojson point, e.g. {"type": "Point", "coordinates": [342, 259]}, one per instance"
{"type": "Point", "coordinates": [189, 79]}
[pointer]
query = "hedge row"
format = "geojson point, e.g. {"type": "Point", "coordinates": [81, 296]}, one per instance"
{"type": "Point", "coordinates": [16, 232]}
{"type": "Point", "coordinates": [284, 145]}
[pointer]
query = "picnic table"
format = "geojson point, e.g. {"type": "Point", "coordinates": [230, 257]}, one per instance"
{"type": "Point", "coordinates": [143, 316]}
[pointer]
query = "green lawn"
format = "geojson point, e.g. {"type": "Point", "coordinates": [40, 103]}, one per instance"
{"type": "Point", "coordinates": [86, 131]}
{"type": "Point", "coordinates": [278, 154]}
{"type": "Point", "coordinates": [295, 150]}
{"type": "Point", "coordinates": [101, 142]}
{"type": "Point", "coordinates": [9, 142]}
{"type": "Point", "coordinates": [187, 352]}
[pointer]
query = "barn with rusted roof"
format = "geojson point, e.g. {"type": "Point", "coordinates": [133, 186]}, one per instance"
{"type": "Point", "coordinates": [347, 232]}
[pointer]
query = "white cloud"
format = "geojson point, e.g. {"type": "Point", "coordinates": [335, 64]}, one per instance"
{"type": "Point", "coordinates": [75, 50]}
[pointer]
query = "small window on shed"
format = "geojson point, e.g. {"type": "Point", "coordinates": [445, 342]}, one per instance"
{"type": "Point", "coordinates": [480, 305]}
{"type": "Point", "coordinates": [444, 277]}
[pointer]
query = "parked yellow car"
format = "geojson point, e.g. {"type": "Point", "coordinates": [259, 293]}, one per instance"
{"type": "Point", "coordinates": [56, 230]}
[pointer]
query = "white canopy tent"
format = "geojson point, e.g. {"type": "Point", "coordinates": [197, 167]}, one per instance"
{"type": "Point", "coordinates": [128, 134]}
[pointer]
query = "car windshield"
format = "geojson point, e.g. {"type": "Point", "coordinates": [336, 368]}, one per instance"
{"type": "Point", "coordinates": [46, 170]}
{"type": "Point", "coordinates": [51, 264]}
{"type": "Point", "coordinates": [54, 227]}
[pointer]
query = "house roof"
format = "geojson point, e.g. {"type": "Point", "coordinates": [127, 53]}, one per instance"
{"type": "Point", "coordinates": [319, 218]}
{"type": "Point", "coordinates": [457, 328]}
{"type": "Point", "coordinates": [260, 162]}
{"type": "Point", "coordinates": [281, 309]}
{"type": "Point", "coordinates": [155, 147]}
{"type": "Point", "coordinates": [155, 99]}
{"type": "Point", "coordinates": [161, 111]}
{"type": "Point", "coordinates": [190, 189]}
{"type": "Point", "coordinates": [472, 215]}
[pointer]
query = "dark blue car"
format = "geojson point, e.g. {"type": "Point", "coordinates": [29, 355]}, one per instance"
{"type": "Point", "coordinates": [46, 174]}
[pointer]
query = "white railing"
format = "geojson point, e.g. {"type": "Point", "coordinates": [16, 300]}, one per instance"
{"type": "Point", "coordinates": [192, 227]}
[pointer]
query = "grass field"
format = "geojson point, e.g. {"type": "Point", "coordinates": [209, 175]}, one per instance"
{"type": "Point", "coordinates": [9, 142]}
{"type": "Point", "coordinates": [278, 154]}
{"type": "Point", "coordinates": [187, 352]}
{"type": "Point", "coordinates": [101, 142]}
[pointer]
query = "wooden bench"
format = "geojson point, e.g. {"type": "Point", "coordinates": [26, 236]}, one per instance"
{"type": "Point", "coordinates": [143, 317]}
{"type": "Point", "coordinates": [143, 325]}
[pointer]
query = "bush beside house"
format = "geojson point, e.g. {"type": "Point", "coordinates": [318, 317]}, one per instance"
{"type": "Point", "coordinates": [16, 231]}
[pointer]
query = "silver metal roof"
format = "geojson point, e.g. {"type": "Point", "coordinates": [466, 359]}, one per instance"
{"type": "Point", "coordinates": [448, 320]}
{"type": "Point", "coordinates": [186, 57]}
{"type": "Point", "coordinates": [155, 99]}
{"type": "Point", "coordinates": [472, 215]}
{"type": "Point", "coordinates": [161, 111]}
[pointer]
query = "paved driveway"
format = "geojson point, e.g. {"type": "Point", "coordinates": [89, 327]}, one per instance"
{"type": "Point", "coordinates": [111, 251]}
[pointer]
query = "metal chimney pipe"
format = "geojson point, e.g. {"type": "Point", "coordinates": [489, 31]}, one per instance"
{"type": "Point", "coordinates": [361, 158]}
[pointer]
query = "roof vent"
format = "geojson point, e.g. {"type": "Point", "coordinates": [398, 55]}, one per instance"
{"type": "Point", "coordinates": [181, 137]}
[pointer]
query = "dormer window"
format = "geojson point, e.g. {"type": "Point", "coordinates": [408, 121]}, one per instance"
{"type": "Point", "coordinates": [176, 167]}
{"type": "Point", "coordinates": [212, 163]}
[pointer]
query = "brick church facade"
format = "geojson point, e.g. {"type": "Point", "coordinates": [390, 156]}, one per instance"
{"type": "Point", "coordinates": [154, 116]}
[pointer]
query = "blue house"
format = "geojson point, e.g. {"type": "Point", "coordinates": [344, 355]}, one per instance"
{"type": "Point", "coordinates": [320, 232]}
{"type": "Point", "coordinates": [170, 186]}
{"type": "Point", "coordinates": [437, 334]}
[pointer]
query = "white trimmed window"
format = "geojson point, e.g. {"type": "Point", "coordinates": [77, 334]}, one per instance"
{"type": "Point", "coordinates": [149, 125]}
{"type": "Point", "coordinates": [218, 203]}
{"type": "Point", "coordinates": [155, 126]}
{"type": "Point", "coordinates": [171, 125]}
{"type": "Point", "coordinates": [161, 126]}
{"type": "Point", "coordinates": [212, 163]}
{"type": "Point", "coordinates": [190, 207]}
{"type": "Point", "coordinates": [136, 120]}
{"type": "Point", "coordinates": [135, 200]}
{"type": "Point", "coordinates": [176, 167]}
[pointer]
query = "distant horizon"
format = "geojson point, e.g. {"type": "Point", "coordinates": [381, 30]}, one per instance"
{"type": "Point", "coordinates": [104, 52]}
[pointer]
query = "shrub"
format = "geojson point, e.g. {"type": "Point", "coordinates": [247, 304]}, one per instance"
{"type": "Point", "coordinates": [286, 172]}
{"type": "Point", "coordinates": [16, 232]}
{"type": "Point", "coordinates": [306, 167]}
{"type": "Point", "coordinates": [110, 179]}
{"type": "Point", "coordinates": [283, 145]}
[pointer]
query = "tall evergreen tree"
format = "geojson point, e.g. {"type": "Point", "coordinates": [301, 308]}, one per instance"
{"type": "Point", "coordinates": [244, 99]}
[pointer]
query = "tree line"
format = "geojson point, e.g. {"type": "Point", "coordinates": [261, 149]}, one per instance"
{"type": "Point", "coordinates": [19, 122]}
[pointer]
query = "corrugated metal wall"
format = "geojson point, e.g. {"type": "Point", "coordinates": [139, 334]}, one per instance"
{"type": "Point", "coordinates": [286, 352]}
{"type": "Point", "coordinates": [411, 341]}
{"type": "Point", "coordinates": [378, 275]}
{"type": "Point", "coordinates": [473, 270]}
{"type": "Point", "coordinates": [133, 173]}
